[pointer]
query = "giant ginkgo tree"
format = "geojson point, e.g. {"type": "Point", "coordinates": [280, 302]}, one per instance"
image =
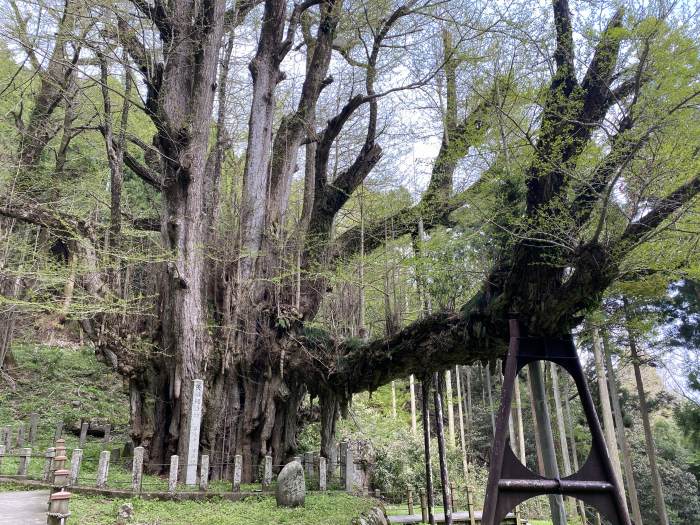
{"type": "Point", "coordinates": [242, 269]}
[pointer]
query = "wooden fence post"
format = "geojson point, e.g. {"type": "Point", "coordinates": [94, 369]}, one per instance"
{"type": "Point", "coordinates": [2, 454]}
{"type": "Point", "coordinates": [423, 506]}
{"type": "Point", "coordinates": [76, 459]}
{"type": "Point", "coordinates": [204, 473]}
{"type": "Point", "coordinates": [137, 470]}
{"type": "Point", "coordinates": [172, 478]}
{"type": "Point", "coordinates": [470, 506]}
{"type": "Point", "coordinates": [103, 469]}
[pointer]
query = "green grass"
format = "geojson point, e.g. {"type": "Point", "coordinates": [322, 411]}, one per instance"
{"type": "Point", "coordinates": [62, 384]}
{"type": "Point", "coordinates": [320, 509]}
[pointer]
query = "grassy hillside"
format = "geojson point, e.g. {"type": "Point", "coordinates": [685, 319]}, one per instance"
{"type": "Point", "coordinates": [63, 384]}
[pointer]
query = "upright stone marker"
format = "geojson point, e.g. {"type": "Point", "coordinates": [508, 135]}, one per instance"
{"type": "Point", "coordinates": [2, 454]}
{"type": "Point", "coordinates": [195, 423]}
{"type": "Point", "coordinates": [237, 472]}
{"type": "Point", "coordinates": [342, 453]}
{"type": "Point", "coordinates": [267, 473]}
{"type": "Point", "coordinates": [108, 433]}
{"type": "Point", "coordinates": [116, 455]}
{"type": "Point", "coordinates": [137, 469]}
{"type": "Point", "coordinates": [59, 431]}
{"type": "Point", "coordinates": [322, 471]}
{"type": "Point", "coordinates": [75, 460]}
{"type": "Point", "coordinates": [349, 470]}
{"type": "Point", "coordinates": [24, 457]}
{"type": "Point", "coordinates": [7, 439]}
{"type": "Point", "coordinates": [172, 478]}
{"type": "Point", "coordinates": [204, 473]}
{"type": "Point", "coordinates": [48, 463]}
{"type": "Point", "coordinates": [20, 436]}
{"type": "Point", "coordinates": [83, 433]}
{"type": "Point", "coordinates": [332, 461]}
{"type": "Point", "coordinates": [309, 464]}
{"type": "Point", "coordinates": [33, 425]}
{"type": "Point", "coordinates": [103, 469]}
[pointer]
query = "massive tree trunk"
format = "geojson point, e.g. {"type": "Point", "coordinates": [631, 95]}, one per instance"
{"type": "Point", "coordinates": [181, 100]}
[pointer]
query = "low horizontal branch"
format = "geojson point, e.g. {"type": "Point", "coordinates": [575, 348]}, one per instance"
{"type": "Point", "coordinates": [34, 213]}
{"type": "Point", "coordinates": [435, 342]}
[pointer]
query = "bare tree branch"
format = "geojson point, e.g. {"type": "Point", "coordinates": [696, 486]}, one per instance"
{"type": "Point", "coordinates": [662, 210]}
{"type": "Point", "coordinates": [144, 173]}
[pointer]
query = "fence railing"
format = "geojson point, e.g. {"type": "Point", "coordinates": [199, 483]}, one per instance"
{"type": "Point", "coordinates": [122, 468]}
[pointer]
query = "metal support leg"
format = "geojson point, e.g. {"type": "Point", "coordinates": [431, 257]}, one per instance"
{"type": "Point", "coordinates": [510, 482]}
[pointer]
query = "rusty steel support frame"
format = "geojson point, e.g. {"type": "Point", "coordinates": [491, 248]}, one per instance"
{"type": "Point", "coordinates": [510, 482]}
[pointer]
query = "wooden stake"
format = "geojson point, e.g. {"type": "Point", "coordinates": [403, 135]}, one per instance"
{"type": "Point", "coordinates": [412, 384]}
{"type": "Point", "coordinates": [440, 431]}
{"type": "Point", "coordinates": [621, 437]}
{"type": "Point", "coordinates": [425, 393]}
{"type": "Point", "coordinates": [544, 427]}
{"type": "Point", "coordinates": [450, 408]}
